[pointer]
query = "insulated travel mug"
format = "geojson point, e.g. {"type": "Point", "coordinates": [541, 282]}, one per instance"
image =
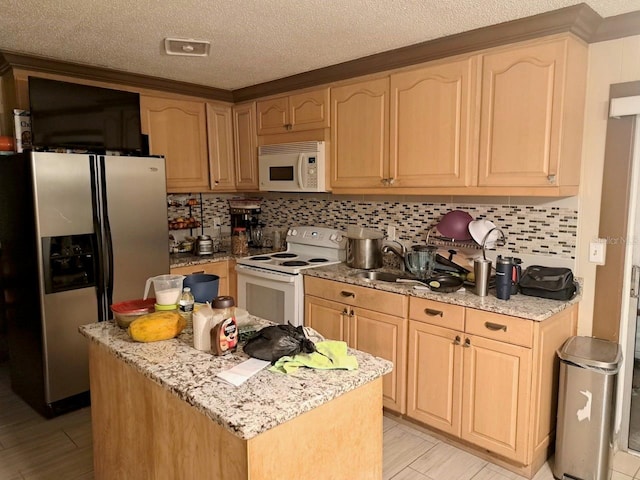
{"type": "Point", "coordinates": [504, 269]}
{"type": "Point", "coordinates": [482, 272]}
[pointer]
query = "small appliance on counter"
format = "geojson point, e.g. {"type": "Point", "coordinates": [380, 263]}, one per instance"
{"type": "Point", "coordinates": [245, 212]}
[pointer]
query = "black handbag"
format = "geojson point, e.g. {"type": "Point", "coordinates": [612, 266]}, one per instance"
{"type": "Point", "coordinates": [548, 282]}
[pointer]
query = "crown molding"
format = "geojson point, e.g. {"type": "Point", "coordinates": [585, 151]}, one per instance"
{"type": "Point", "coordinates": [579, 20]}
{"type": "Point", "coordinates": [620, 26]}
{"type": "Point", "coordinates": [11, 60]}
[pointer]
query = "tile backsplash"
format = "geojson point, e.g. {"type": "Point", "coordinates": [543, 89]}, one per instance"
{"type": "Point", "coordinates": [534, 229]}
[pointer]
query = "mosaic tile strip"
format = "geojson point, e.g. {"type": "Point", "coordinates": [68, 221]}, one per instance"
{"type": "Point", "coordinates": [528, 229]}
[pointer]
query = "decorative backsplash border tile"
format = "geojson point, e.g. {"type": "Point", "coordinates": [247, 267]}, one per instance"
{"type": "Point", "coordinates": [529, 229]}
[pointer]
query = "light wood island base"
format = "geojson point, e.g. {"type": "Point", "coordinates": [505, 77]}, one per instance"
{"type": "Point", "coordinates": [141, 430]}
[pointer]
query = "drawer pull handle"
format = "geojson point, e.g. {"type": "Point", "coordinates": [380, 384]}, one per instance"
{"type": "Point", "coordinates": [467, 343]}
{"type": "Point", "coordinates": [199, 271]}
{"type": "Point", "coordinates": [457, 340]}
{"type": "Point", "coordinates": [433, 313]}
{"type": "Point", "coordinates": [495, 326]}
{"type": "Point", "coordinates": [344, 293]}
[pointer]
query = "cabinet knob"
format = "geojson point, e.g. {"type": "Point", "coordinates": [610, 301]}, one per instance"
{"type": "Point", "coordinates": [345, 311]}
{"type": "Point", "coordinates": [384, 181]}
{"type": "Point", "coordinates": [467, 343]}
{"type": "Point", "coordinates": [457, 340]}
{"type": "Point", "coordinates": [391, 181]}
{"type": "Point", "coordinates": [551, 178]}
{"type": "Point", "coordinates": [344, 293]}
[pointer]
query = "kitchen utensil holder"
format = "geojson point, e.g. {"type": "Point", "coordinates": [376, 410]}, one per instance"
{"type": "Point", "coordinates": [484, 241]}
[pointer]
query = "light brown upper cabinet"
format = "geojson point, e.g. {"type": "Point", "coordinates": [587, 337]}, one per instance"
{"type": "Point", "coordinates": [532, 114]}
{"type": "Point", "coordinates": [360, 134]}
{"type": "Point", "coordinates": [220, 140]}
{"type": "Point", "coordinates": [245, 146]}
{"type": "Point", "coordinates": [300, 111]}
{"type": "Point", "coordinates": [177, 129]}
{"type": "Point", "coordinates": [432, 122]}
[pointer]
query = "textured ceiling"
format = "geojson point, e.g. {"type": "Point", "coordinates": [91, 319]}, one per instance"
{"type": "Point", "coordinates": [252, 41]}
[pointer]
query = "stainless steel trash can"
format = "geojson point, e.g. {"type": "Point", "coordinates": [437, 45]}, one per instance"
{"type": "Point", "coordinates": [588, 369]}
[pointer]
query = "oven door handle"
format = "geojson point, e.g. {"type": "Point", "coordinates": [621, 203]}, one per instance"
{"type": "Point", "coordinates": [267, 274]}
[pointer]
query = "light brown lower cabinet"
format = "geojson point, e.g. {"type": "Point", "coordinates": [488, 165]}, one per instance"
{"type": "Point", "coordinates": [222, 269]}
{"type": "Point", "coordinates": [486, 379]}
{"type": "Point", "coordinates": [368, 320]}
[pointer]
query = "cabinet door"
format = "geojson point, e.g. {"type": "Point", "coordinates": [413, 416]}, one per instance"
{"type": "Point", "coordinates": [433, 124]}
{"type": "Point", "coordinates": [495, 409]}
{"type": "Point", "coordinates": [245, 146]}
{"type": "Point", "coordinates": [220, 137]}
{"type": "Point", "coordinates": [360, 134]}
{"type": "Point", "coordinates": [309, 110]}
{"type": "Point", "coordinates": [177, 129]}
{"type": "Point", "coordinates": [221, 269]}
{"type": "Point", "coordinates": [384, 336]}
{"type": "Point", "coordinates": [521, 119]}
{"type": "Point", "coordinates": [434, 385]}
{"type": "Point", "coordinates": [330, 319]}
{"type": "Point", "coordinates": [273, 115]}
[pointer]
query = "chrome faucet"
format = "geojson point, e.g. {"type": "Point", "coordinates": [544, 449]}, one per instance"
{"type": "Point", "coordinates": [400, 253]}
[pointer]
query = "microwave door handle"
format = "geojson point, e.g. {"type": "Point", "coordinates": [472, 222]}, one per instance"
{"type": "Point", "coordinates": [300, 179]}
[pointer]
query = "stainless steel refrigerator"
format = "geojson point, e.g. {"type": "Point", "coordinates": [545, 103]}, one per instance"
{"type": "Point", "coordinates": [77, 234]}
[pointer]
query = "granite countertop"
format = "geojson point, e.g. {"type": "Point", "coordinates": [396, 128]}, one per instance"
{"type": "Point", "coordinates": [188, 259]}
{"type": "Point", "coordinates": [530, 308]}
{"type": "Point", "coordinates": [263, 402]}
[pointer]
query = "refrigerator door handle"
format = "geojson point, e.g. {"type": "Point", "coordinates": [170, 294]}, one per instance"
{"type": "Point", "coordinates": [106, 234]}
{"type": "Point", "coordinates": [104, 278]}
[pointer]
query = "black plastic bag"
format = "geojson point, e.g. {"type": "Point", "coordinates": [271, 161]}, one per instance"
{"type": "Point", "coordinates": [277, 341]}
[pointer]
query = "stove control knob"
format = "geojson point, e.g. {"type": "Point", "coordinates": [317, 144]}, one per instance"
{"type": "Point", "coordinates": [293, 232]}
{"type": "Point", "coordinates": [338, 238]}
{"type": "Point", "coordinates": [333, 237]}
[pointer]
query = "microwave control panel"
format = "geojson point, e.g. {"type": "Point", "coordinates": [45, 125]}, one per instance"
{"type": "Point", "coordinates": [310, 173]}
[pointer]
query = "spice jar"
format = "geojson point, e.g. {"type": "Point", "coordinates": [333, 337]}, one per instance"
{"type": "Point", "coordinates": [239, 241]}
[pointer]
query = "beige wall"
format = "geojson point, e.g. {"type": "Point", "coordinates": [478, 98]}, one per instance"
{"type": "Point", "coordinates": [610, 62]}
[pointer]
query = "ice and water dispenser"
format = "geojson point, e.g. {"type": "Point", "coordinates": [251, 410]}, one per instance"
{"type": "Point", "coordinates": [69, 262]}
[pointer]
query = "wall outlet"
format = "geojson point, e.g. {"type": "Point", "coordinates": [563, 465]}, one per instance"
{"type": "Point", "coordinates": [598, 251]}
{"type": "Point", "coordinates": [391, 232]}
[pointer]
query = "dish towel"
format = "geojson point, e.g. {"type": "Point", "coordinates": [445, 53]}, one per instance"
{"type": "Point", "coordinates": [331, 354]}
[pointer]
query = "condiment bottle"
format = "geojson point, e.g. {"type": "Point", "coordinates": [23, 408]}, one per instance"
{"type": "Point", "coordinates": [239, 241]}
{"type": "Point", "coordinates": [224, 335]}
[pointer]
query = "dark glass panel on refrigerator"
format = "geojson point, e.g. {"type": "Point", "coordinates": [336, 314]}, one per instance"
{"type": "Point", "coordinates": [69, 262]}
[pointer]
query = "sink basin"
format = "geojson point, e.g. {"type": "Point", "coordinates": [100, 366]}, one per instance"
{"type": "Point", "coordinates": [380, 276]}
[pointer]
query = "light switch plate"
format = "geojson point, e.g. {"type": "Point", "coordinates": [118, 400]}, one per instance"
{"type": "Point", "coordinates": [598, 251]}
{"type": "Point", "coordinates": [391, 232]}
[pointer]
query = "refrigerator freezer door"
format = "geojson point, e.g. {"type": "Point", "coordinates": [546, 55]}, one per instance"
{"type": "Point", "coordinates": [136, 196]}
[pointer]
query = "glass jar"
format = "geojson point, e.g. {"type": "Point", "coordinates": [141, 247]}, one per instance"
{"type": "Point", "coordinates": [239, 241]}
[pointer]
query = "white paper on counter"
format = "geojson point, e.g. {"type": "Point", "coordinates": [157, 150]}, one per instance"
{"type": "Point", "coordinates": [243, 371]}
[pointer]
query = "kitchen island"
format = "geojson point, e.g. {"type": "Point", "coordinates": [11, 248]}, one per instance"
{"type": "Point", "coordinates": [159, 411]}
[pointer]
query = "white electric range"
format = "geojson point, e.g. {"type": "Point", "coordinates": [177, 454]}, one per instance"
{"type": "Point", "coordinates": [271, 286]}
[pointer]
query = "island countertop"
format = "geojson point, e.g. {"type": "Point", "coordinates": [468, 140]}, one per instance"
{"type": "Point", "coordinates": [263, 402]}
{"type": "Point", "coordinates": [527, 307]}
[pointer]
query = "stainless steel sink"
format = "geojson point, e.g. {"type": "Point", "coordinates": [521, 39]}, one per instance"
{"type": "Point", "coordinates": [380, 276]}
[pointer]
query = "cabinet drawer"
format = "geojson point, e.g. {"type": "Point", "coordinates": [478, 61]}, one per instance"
{"type": "Point", "coordinates": [354, 295]}
{"type": "Point", "coordinates": [436, 313]}
{"type": "Point", "coordinates": [517, 331]}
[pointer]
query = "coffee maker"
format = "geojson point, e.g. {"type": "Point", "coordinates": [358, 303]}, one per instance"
{"type": "Point", "coordinates": [245, 212]}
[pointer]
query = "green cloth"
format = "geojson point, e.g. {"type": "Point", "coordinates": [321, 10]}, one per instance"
{"type": "Point", "coordinates": [335, 350]}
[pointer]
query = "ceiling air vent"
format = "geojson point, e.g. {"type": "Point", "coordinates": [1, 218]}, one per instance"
{"type": "Point", "coordinates": [186, 47]}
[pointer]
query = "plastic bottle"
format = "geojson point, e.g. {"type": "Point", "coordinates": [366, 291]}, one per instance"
{"type": "Point", "coordinates": [224, 335]}
{"type": "Point", "coordinates": [186, 304]}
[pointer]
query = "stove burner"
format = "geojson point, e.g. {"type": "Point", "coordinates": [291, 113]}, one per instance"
{"type": "Point", "coordinates": [294, 263]}
{"type": "Point", "coordinates": [318, 260]}
{"type": "Point", "coordinates": [284, 255]}
{"type": "Point", "coordinates": [260, 258]}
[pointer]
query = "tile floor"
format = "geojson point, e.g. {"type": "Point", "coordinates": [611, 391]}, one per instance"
{"type": "Point", "coordinates": [32, 448]}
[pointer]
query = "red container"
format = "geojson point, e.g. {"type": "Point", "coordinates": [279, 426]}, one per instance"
{"type": "Point", "coordinates": [127, 311]}
{"type": "Point", "coordinates": [6, 143]}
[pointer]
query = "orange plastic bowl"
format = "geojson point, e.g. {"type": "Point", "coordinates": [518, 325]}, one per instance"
{"type": "Point", "coordinates": [6, 143]}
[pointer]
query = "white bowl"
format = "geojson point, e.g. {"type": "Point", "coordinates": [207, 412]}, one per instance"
{"type": "Point", "coordinates": [480, 228]}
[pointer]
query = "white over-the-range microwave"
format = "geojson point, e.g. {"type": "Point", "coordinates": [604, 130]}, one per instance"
{"type": "Point", "coordinates": [292, 167]}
